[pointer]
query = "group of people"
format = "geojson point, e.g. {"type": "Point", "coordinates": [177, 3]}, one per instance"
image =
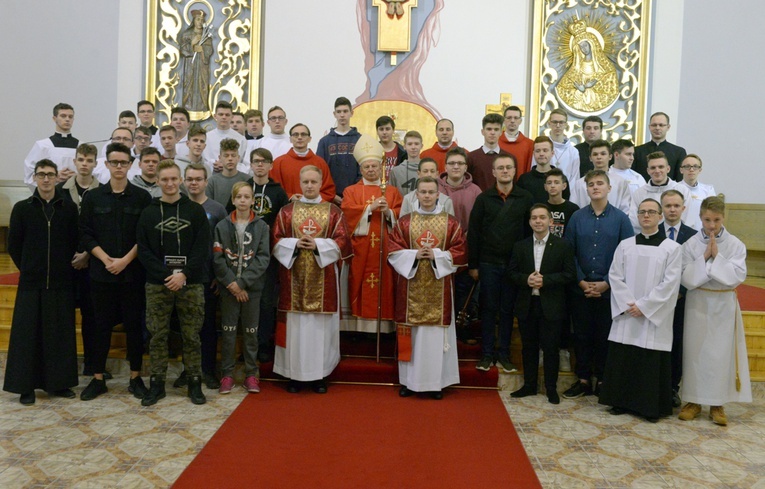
{"type": "Point", "coordinates": [369, 235]}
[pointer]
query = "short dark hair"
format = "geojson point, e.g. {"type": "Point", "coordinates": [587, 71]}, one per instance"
{"type": "Point", "coordinates": [223, 105]}
{"type": "Point", "coordinates": [426, 160]}
{"type": "Point", "coordinates": [384, 120]}
{"type": "Point", "coordinates": [456, 151]}
{"type": "Point", "coordinates": [593, 118]}
{"type": "Point", "coordinates": [509, 156]}
{"type": "Point", "coordinates": [541, 206]}
{"type": "Point", "coordinates": [144, 102]}
{"type": "Point", "coordinates": [180, 110]}
{"type": "Point", "coordinates": [229, 144]}
{"type": "Point", "coordinates": [143, 130]}
{"type": "Point", "coordinates": [298, 125]}
{"type": "Point", "coordinates": [263, 153]}
{"type": "Point", "coordinates": [651, 199]}
{"type": "Point", "coordinates": [659, 113]}
{"type": "Point", "coordinates": [252, 113]}
{"type": "Point", "coordinates": [195, 166]}
{"type": "Point", "coordinates": [600, 143]}
{"type": "Point", "coordinates": [621, 144]}
{"type": "Point", "coordinates": [412, 134]}
{"type": "Point", "coordinates": [168, 128]}
{"type": "Point", "coordinates": [150, 150]}
{"type": "Point", "coordinates": [426, 180]}
{"type": "Point", "coordinates": [127, 113]}
{"type": "Point", "coordinates": [86, 149]}
{"type": "Point", "coordinates": [713, 203]}
{"type": "Point", "coordinates": [597, 173]}
{"type": "Point", "coordinates": [61, 106]}
{"type": "Point", "coordinates": [559, 111]}
{"type": "Point", "coordinates": [240, 114]}
{"type": "Point", "coordinates": [46, 163]}
{"type": "Point", "coordinates": [512, 107]}
{"type": "Point", "coordinates": [445, 120]}
{"type": "Point", "coordinates": [655, 156]}
{"type": "Point", "coordinates": [492, 119]}
{"type": "Point", "coordinates": [671, 192]}
{"type": "Point", "coordinates": [276, 107]}
{"type": "Point", "coordinates": [118, 148]}
{"type": "Point", "coordinates": [196, 130]}
{"type": "Point", "coordinates": [556, 172]}
{"type": "Point", "coordinates": [339, 101]}
{"type": "Point", "coordinates": [544, 139]}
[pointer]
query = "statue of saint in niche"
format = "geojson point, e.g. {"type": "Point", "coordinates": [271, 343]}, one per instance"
{"type": "Point", "coordinates": [196, 49]}
{"type": "Point", "coordinates": [590, 84]}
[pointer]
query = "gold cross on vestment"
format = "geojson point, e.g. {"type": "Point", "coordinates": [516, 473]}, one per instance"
{"type": "Point", "coordinates": [370, 201]}
{"type": "Point", "coordinates": [367, 147]}
{"type": "Point", "coordinates": [372, 280]}
{"type": "Point", "coordinates": [428, 240]}
{"type": "Point", "coordinates": [373, 239]}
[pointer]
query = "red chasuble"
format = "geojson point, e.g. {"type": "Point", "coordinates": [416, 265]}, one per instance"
{"type": "Point", "coordinates": [439, 154]}
{"type": "Point", "coordinates": [364, 275]}
{"type": "Point", "coordinates": [287, 168]}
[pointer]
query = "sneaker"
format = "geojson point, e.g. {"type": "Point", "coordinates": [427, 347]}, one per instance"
{"type": "Point", "coordinates": [565, 361]}
{"type": "Point", "coordinates": [690, 411]}
{"type": "Point", "coordinates": [717, 415]}
{"type": "Point", "coordinates": [94, 389]}
{"type": "Point", "coordinates": [485, 363]}
{"type": "Point", "coordinates": [138, 388]}
{"type": "Point", "coordinates": [251, 384]}
{"type": "Point", "coordinates": [506, 366]}
{"type": "Point", "coordinates": [182, 380]}
{"type": "Point", "coordinates": [211, 381]}
{"type": "Point", "coordinates": [577, 389]}
{"type": "Point", "coordinates": [226, 384]}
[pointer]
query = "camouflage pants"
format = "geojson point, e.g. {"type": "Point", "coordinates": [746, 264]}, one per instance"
{"type": "Point", "coordinates": [189, 302]}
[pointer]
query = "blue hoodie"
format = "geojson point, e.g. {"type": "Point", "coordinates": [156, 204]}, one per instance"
{"type": "Point", "coordinates": [337, 151]}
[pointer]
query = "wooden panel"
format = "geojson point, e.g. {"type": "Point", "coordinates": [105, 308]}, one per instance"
{"type": "Point", "coordinates": [11, 191]}
{"type": "Point", "coordinates": [747, 222]}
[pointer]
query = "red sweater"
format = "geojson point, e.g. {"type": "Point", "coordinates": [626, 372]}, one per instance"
{"type": "Point", "coordinates": [287, 168]}
{"type": "Point", "coordinates": [522, 148]}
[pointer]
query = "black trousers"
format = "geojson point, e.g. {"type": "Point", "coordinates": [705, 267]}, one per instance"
{"type": "Point", "coordinates": [88, 326]}
{"type": "Point", "coordinates": [677, 343]}
{"type": "Point", "coordinates": [112, 302]}
{"type": "Point", "coordinates": [538, 332]}
{"type": "Point", "coordinates": [592, 324]}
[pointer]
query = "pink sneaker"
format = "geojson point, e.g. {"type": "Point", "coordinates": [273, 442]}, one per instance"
{"type": "Point", "coordinates": [251, 384]}
{"type": "Point", "coordinates": [226, 384]}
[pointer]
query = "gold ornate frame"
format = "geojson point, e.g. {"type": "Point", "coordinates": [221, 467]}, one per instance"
{"type": "Point", "coordinates": [617, 29]}
{"type": "Point", "coordinates": [235, 65]}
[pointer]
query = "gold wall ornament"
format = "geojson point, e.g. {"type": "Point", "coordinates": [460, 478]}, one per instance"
{"type": "Point", "coordinates": [394, 26]}
{"type": "Point", "coordinates": [505, 101]}
{"type": "Point", "coordinates": [200, 52]}
{"type": "Point", "coordinates": [590, 57]}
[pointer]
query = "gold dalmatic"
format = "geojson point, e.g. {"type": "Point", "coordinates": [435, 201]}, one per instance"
{"type": "Point", "coordinates": [425, 294]}
{"type": "Point", "coordinates": [307, 277]}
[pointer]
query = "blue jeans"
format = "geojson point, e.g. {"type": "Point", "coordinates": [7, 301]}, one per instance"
{"type": "Point", "coordinates": [497, 302]}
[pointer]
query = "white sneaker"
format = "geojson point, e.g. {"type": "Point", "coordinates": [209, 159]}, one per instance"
{"type": "Point", "coordinates": [565, 361]}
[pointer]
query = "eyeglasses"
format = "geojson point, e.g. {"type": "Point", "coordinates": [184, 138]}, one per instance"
{"type": "Point", "coordinates": [259, 161]}
{"type": "Point", "coordinates": [648, 212]}
{"type": "Point", "coordinates": [691, 167]}
{"type": "Point", "coordinates": [116, 163]}
{"type": "Point", "coordinates": [143, 139]}
{"type": "Point", "coordinates": [456, 163]}
{"type": "Point", "coordinates": [45, 176]}
{"type": "Point", "coordinates": [277, 118]}
{"type": "Point", "coordinates": [557, 123]}
{"type": "Point", "coordinates": [300, 135]}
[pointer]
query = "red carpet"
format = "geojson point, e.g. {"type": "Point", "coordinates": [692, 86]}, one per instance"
{"type": "Point", "coordinates": [751, 298]}
{"type": "Point", "coordinates": [363, 437]}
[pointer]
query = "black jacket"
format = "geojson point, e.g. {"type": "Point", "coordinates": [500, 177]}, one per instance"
{"type": "Point", "coordinates": [177, 229]}
{"type": "Point", "coordinates": [269, 199]}
{"type": "Point", "coordinates": [558, 270]}
{"type": "Point", "coordinates": [42, 239]}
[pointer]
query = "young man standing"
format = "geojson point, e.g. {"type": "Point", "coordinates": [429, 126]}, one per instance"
{"type": "Point", "coordinates": [310, 238]}
{"type": "Point", "coordinates": [238, 123]}
{"type": "Point", "coordinates": [277, 142]}
{"type": "Point", "coordinates": [660, 182]}
{"type": "Point", "coordinates": [220, 184]}
{"type": "Point", "coordinates": [146, 115]}
{"type": "Point", "coordinates": [394, 152]}
{"type": "Point", "coordinates": [592, 130]}
{"type": "Point", "coordinates": [498, 220]}
{"type": "Point", "coordinates": [168, 138]}
{"type": "Point", "coordinates": [223, 115]}
{"type": "Point", "coordinates": [427, 168]}
{"type": "Point", "coordinates": [196, 143]}
{"type": "Point", "coordinates": [619, 196]}
{"type": "Point", "coordinates": [181, 121]}
{"type": "Point", "coordinates": [404, 176]}
{"type": "Point", "coordinates": [120, 135]}
{"type": "Point", "coordinates": [42, 239]}
{"type": "Point", "coordinates": [542, 266]}
{"type": "Point", "coordinates": [624, 155]}
{"type": "Point", "coordinates": [690, 168]}
{"type": "Point", "coordinates": [533, 181]}
{"type": "Point", "coordinates": [108, 222]}
{"type": "Point", "coordinates": [253, 120]}
{"type": "Point", "coordinates": [594, 232]}
{"type": "Point", "coordinates": [287, 167]}
{"type": "Point", "coordinates": [142, 138]}
{"type": "Point", "coordinates": [674, 229]}
{"type": "Point", "coordinates": [566, 156]}
{"type": "Point", "coordinates": [514, 142]}
{"type": "Point", "coordinates": [336, 149]}
{"type": "Point", "coordinates": [426, 248]}
{"type": "Point", "coordinates": [659, 127]}
{"type": "Point", "coordinates": [59, 148]}
{"type": "Point", "coordinates": [147, 180]}
{"type": "Point", "coordinates": [481, 160]}
{"type": "Point", "coordinates": [174, 247]}
{"type": "Point", "coordinates": [444, 142]}
{"type": "Point", "coordinates": [128, 120]}
{"type": "Point", "coordinates": [561, 209]}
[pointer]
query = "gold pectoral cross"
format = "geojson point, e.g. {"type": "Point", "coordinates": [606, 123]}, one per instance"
{"type": "Point", "coordinates": [372, 280]}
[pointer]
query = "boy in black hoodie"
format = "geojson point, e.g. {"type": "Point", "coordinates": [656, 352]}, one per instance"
{"type": "Point", "coordinates": [173, 246]}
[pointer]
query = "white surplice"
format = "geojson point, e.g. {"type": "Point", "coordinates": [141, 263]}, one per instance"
{"type": "Point", "coordinates": [313, 340]}
{"type": "Point", "coordinates": [649, 277]}
{"type": "Point", "coordinates": [714, 330]}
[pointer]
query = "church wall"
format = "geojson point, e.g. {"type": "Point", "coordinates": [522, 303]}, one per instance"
{"type": "Point", "coordinates": [90, 54]}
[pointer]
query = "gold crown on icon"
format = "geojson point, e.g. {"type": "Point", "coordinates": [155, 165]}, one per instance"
{"type": "Point", "coordinates": [578, 27]}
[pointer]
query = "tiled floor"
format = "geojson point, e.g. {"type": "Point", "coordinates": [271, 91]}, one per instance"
{"type": "Point", "coordinates": [114, 442]}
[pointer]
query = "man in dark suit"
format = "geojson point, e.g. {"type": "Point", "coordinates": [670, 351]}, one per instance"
{"type": "Point", "coordinates": [541, 267]}
{"type": "Point", "coordinates": [674, 229]}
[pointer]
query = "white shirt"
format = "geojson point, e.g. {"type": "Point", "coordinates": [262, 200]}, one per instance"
{"type": "Point", "coordinates": [539, 251]}
{"type": "Point", "coordinates": [697, 194]}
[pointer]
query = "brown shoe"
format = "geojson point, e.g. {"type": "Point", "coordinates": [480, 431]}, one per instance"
{"type": "Point", "coordinates": [717, 414]}
{"type": "Point", "coordinates": [689, 411]}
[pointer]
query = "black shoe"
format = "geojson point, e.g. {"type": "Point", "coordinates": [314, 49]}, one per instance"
{"type": "Point", "coordinates": [156, 391]}
{"type": "Point", "coordinates": [320, 386]}
{"type": "Point", "coordinates": [524, 391]}
{"type": "Point", "coordinates": [108, 375]}
{"type": "Point", "coordinates": [617, 411]}
{"type": "Point", "coordinates": [598, 387]}
{"type": "Point", "coordinates": [577, 389]}
{"type": "Point", "coordinates": [651, 419]}
{"type": "Point", "coordinates": [437, 395]}
{"type": "Point", "coordinates": [264, 356]}
{"type": "Point", "coordinates": [676, 402]}
{"type": "Point", "coordinates": [553, 397]}
{"type": "Point", "coordinates": [405, 392]}
{"type": "Point", "coordinates": [94, 389]}
{"type": "Point", "coordinates": [65, 393]}
{"type": "Point", "coordinates": [293, 387]}
{"type": "Point", "coordinates": [195, 390]}
{"type": "Point", "coordinates": [138, 388]}
{"type": "Point", "coordinates": [485, 363]}
{"type": "Point", "coordinates": [182, 380]}
{"type": "Point", "coordinates": [211, 381]}
{"type": "Point", "coordinates": [27, 399]}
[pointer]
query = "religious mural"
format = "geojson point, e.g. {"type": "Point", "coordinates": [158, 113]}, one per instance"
{"type": "Point", "coordinates": [590, 58]}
